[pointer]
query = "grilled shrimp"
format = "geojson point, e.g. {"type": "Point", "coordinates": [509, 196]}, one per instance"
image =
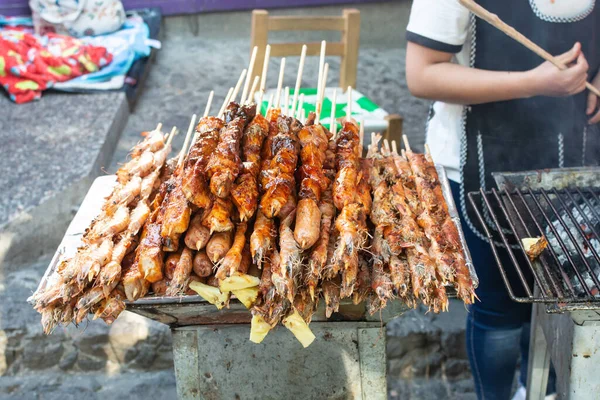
{"type": "Point", "coordinates": [331, 293]}
{"type": "Point", "coordinates": [363, 282]}
{"type": "Point", "coordinates": [149, 254]}
{"type": "Point", "coordinates": [181, 275]}
{"type": "Point", "coordinates": [318, 256]}
{"type": "Point", "coordinates": [98, 257]}
{"type": "Point", "coordinates": [153, 142]}
{"type": "Point", "coordinates": [112, 307]}
{"type": "Point", "coordinates": [134, 284]}
{"type": "Point", "coordinates": [400, 276]}
{"type": "Point", "coordinates": [218, 219]}
{"type": "Point", "coordinates": [231, 262]}
{"type": "Point", "coordinates": [262, 238]}
{"type": "Point", "coordinates": [106, 228]}
{"type": "Point", "coordinates": [124, 195]}
{"type": "Point", "coordinates": [291, 266]}
{"type": "Point", "coordinates": [138, 166]}
{"type": "Point", "coordinates": [88, 300]}
{"type": "Point", "coordinates": [138, 217]}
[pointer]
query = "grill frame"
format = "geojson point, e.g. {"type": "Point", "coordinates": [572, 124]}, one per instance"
{"type": "Point", "coordinates": [532, 203]}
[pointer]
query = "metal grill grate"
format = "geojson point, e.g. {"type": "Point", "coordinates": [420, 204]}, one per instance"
{"type": "Point", "coordinates": [567, 272]}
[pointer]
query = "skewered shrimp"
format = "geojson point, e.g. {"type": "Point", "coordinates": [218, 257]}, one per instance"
{"type": "Point", "coordinates": [218, 219]}
{"type": "Point", "coordinates": [331, 294]}
{"type": "Point", "coordinates": [262, 238]}
{"type": "Point", "coordinates": [318, 256]}
{"type": "Point", "coordinates": [231, 262]}
{"type": "Point", "coordinates": [149, 254]}
{"type": "Point", "coordinates": [124, 195]}
{"type": "Point", "coordinates": [195, 179]}
{"type": "Point", "coordinates": [363, 282]}
{"type": "Point", "coordinates": [97, 258]}
{"type": "Point", "coordinates": [134, 284]}
{"type": "Point", "coordinates": [154, 141]}
{"type": "Point", "coordinates": [288, 274]}
{"type": "Point", "coordinates": [181, 275]}
{"type": "Point", "coordinates": [112, 226]}
{"type": "Point", "coordinates": [139, 166]}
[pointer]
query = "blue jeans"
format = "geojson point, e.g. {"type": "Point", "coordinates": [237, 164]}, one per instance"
{"type": "Point", "coordinates": [498, 328]}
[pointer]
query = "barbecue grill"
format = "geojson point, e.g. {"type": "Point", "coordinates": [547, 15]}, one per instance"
{"type": "Point", "coordinates": [563, 205]}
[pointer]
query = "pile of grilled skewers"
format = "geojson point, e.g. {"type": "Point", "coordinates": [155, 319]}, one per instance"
{"type": "Point", "coordinates": [278, 213]}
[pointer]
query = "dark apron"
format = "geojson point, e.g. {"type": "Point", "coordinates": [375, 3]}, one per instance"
{"type": "Point", "coordinates": [535, 133]}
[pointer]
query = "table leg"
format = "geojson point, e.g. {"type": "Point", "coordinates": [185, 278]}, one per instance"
{"type": "Point", "coordinates": [539, 357]}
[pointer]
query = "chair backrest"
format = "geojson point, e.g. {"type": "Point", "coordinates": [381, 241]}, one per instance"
{"type": "Point", "coordinates": [348, 24]}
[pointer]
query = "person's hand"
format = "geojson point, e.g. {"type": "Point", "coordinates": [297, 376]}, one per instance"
{"type": "Point", "coordinates": [548, 80]}
{"type": "Point", "coordinates": [593, 105]}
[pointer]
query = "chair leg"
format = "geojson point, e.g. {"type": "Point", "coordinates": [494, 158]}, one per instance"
{"type": "Point", "coordinates": [351, 39]}
{"type": "Point", "coordinates": [394, 130]}
{"type": "Point", "coordinates": [258, 37]}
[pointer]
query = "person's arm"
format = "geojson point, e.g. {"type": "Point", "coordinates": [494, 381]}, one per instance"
{"type": "Point", "coordinates": [430, 74]}
{"type": "Point", "coordinates": [593, 105]}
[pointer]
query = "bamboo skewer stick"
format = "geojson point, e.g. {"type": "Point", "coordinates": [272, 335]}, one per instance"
{"type": "Point", "coordinates": [263, 78]}
{"type": "Point", "coordinates": [279, 84]}
{"type": "Point", "coordinates": [333, 122]}
{"type": "Point", "coordinates": [186, 142]}
{"type": "Point", "coordinates": [261, 94]}
{"type": "Point", "coordinates": [321, 93]}
{"type": "Point", "coordinates": [158, 127]}
{"type": "Point", "coordinates": [286, 101]}
{"type": "Point", "coordinates": [373, 146]}
{"type": "Point", "coordinates": [320, 79]}
{"type": "Point", "coordinates": [298, 79]}
{"type": "Point", "coordinates": [208, 103]}
{"type": "Point", "coordinates": [222, 110]}
{"type": "Point", "coordinates": [324, 83]}
{"type": "Point", "coordinates": [171, 136]}
{"type": "Point", "coordinates": [406, 144]}
{"type": "Point", "coordinates": [252, 90]}
{"type": "Point", "coordinates": [495, 21]}
{"type": "Point", "coordinates": [206, 110]}
{"type": "Point", "coordinates": [349, 105]}
{"type": "Point", "coordinates": [386, 145]}
{"type": "Point", "coordinates": [249, 75]}
{"type": "Point", "coordinates": [300, 112]}
{"type": "Point", "coordinates": [361, 136]}
{"type": "Point", "coordinates": [427, 149]}
{"type": "Point", "coordinates": [269, 103]}
{"type": "Point", "coordinates": [238, 85]}
{"type": "Point", "coordinates": [394, 148]}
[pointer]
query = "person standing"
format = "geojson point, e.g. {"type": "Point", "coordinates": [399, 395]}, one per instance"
{"type": "Point", "coordinates": [497, 107]}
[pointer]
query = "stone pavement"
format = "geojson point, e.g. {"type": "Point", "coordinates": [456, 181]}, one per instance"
{"type": "Point", "coordinates": [51, 151]}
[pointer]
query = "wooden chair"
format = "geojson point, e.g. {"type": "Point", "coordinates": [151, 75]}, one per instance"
{"type": "Point", "coordinates": [347, 49]}
{"type": "Point", "coordinates": [349, 26]}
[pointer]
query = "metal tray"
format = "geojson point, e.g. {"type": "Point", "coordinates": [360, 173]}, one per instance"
{"type": "Point", "coordinates": [193, 310]}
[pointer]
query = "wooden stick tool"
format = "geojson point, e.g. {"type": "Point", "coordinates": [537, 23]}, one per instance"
{"type": "Point", "coordinates": [495, 21]}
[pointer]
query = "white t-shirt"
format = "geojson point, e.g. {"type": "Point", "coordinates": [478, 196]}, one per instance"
{"type": "Point", "coordinates": [443, 25]}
